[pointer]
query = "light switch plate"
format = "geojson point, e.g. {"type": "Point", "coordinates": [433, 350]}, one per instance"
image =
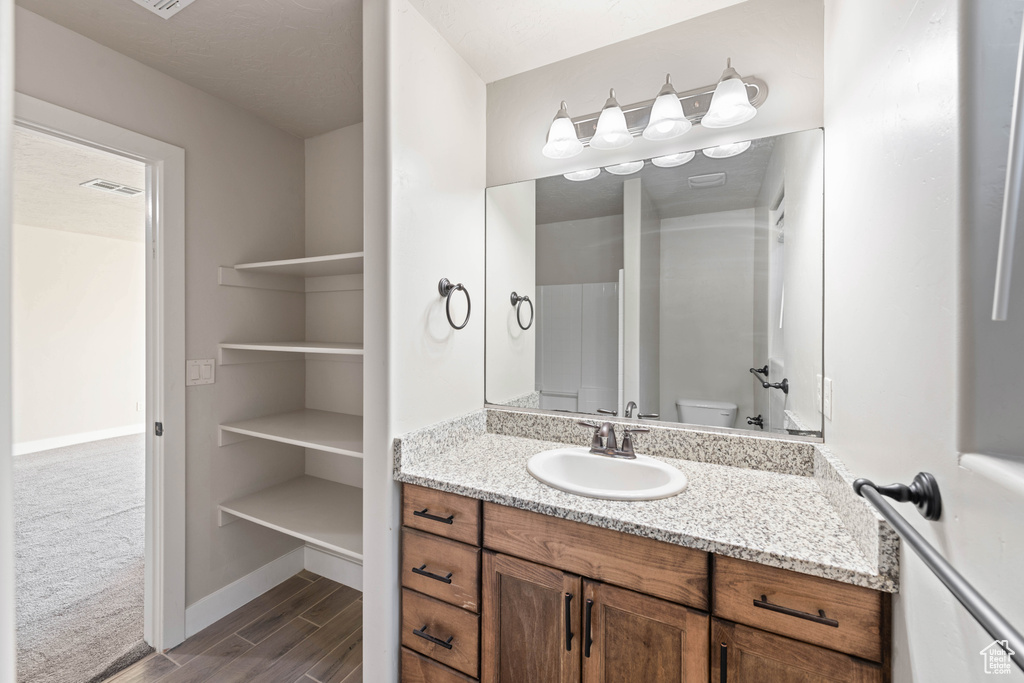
{"type": "Point", "coordinates": [200, 372]}
{"type": "Point", "coordinates": [827, 395]}
{"type": "Point", "coordinates": [821, 408]}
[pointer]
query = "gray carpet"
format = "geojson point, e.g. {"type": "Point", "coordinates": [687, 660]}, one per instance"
{"type": "Point", "coordinates": [80, 516]}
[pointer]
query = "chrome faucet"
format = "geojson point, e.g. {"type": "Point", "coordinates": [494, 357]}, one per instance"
{"type": "Point", "coordinates": [604, 442]}
{"type": "Point", "coordinates": [630, 407]}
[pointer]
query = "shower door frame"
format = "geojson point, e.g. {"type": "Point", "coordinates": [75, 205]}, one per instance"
{"type": "Point", "coordinates": [165, 350]}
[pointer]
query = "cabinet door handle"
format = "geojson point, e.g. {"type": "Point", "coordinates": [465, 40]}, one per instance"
{"type": "Point", "coordinates": [434, 518]}
{"type": "Point", "coordinates": [422, 571]}
{"type": "Point", "coordinates": [422, 633]}
{"type": "Point", "coordinates": [818, 618]}
{"type": "Point", "coordinates": [588, 636]}
{"type": "Point", "coordinates": [723, 663]}
{"type": "Point", "coordinates": [568, 622]}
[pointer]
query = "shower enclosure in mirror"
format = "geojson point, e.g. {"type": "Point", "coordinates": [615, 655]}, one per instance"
{"type": "Point", "coordinates": [690, 294]}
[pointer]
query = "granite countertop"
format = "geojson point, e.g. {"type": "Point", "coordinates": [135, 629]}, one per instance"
{"type": "Point", "coordinates": [770, 517]}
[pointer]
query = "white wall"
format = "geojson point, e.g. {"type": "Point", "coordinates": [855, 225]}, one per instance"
{"type": "Point", "coordinates": [511, 262]}
{"type": "Point", "coordinates": [579, 251]}
{"type": "Point", "coordinates": [432, 202]}
{"type": "Point", "coordinates": [8, 652]}
{"type": "Point", "coordinates": [79, 334]}
{"type": "Point", "coordinates": [707, 273]}
{"type": "Point", "coordinates": [894, 321]}
{"type": "Point", "coordinates": [244, 202]}
{"type": "Point", "coordinates": [777, 40]}
{"type": "Point", "coordinates": [649, 397]}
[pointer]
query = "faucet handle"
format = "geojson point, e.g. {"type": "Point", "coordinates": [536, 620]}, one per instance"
{"type": "Point", "coordinates": [627, 439]}
{"type": "Point", "coordinates": [606, 411]}
{"type": "Point", "coordinates": [595, 443]}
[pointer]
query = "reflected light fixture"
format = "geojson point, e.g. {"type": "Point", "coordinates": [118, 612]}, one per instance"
{"type": "Point", "coordinates": [667, 119]}
{"type": "Point", "coordinates": [612, 131]}
{"type": "Point", "coordinates": [562, 141]}
{"type": "Point", "coordinates": [673, 160]}
{"type": "Point", "coordinates": [625, 169]}
{"type": "Point", "coordinates": [578, 176]}
{"type": "Point", "coordinates": [727, 150]}
{"type": "Point", "coordinates": [730, 105]}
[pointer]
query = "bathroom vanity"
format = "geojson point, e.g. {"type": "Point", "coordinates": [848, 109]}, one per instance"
{"type": "Point", "coordinates": [505, 579]}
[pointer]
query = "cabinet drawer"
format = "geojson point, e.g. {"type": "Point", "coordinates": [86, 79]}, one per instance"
{"type": "Point", "coordinates": [427, 623]}
{"type": "Point", "coordinates": [445, 514]}
{"type": "Point", "coordinates": [647, 566]}
{"type": "Point", "coordinates": [792, 604]}
{"type": "Point", "coordinates": [418, 669]}
{"type": "Point", "coordinates": [441, 568]}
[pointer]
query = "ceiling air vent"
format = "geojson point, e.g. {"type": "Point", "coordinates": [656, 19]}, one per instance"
{"type": "Point", "coordinates": [164, 8]}
{"type": "Point", "coordinates": [112, 187]}
{"type": "Point", "coordinates": [704, 182]}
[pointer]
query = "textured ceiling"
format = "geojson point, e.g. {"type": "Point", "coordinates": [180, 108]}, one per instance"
{"type": "Point", "coordinates": [501, 38]}
{"type": "Point", "coordinates": [294, 63]}
{"type": "Point", "coordinates": [559, 199]}
{"type": "Point", "coordinates": [47, 192]}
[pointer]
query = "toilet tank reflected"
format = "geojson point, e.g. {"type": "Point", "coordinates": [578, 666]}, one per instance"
{"type": "Point", "coordinates": [689, 295]}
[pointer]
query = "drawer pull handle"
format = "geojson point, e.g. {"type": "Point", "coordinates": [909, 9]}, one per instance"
{"type": "Point", "coordinates": [422, 571]}
{"type": "Point", "coordinates": [818, 618]}
{"type": "Point", "coordinates": [422, 633]}
{"type": "Point", "coordinates": [588, 636]}
{"type": "Point", "coordinates": [568, 622]}
{"type": "Point", "coordinates": [434, 518]}
{"type": "Point", "coordinates": [723, 663]}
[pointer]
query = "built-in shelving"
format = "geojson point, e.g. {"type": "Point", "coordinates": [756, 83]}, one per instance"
{"type": "Point", "coordinates": [228, 355]}
{"type": "Point", "coordinates": [324, 513]}
{"type": "Point", "coordinates": [312, 266]}
{"type": "Point", "coordinates": [319, 429]}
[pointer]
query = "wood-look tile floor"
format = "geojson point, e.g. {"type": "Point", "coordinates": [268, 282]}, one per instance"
{"type": "Point", "coordinates": [305, 630]}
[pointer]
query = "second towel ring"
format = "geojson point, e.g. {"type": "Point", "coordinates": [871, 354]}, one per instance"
{"type": "Point", "coordinates": [517, 303]}
{"type": "Point", "coordinates": [446, 289]}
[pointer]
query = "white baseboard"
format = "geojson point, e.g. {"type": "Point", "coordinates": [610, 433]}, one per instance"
{"type": "Point", "coordinates": [223, 602]}
{"type": "Point", "coordinates": [26, 447]}
{"type": "Point", "coordinates": [334, 567]}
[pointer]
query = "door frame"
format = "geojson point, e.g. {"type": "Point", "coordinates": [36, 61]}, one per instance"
{"type": "Point", "coordinates": [165, 350]}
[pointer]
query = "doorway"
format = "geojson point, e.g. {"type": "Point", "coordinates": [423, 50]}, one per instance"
{"type": "Point", "coordinates": [158, 427]}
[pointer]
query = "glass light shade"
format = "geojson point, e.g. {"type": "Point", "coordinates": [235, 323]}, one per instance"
{"type": "Point", "coordinates": [578, 176]}
{"type": "Point", "coordinates": [727, 150]}
{"type": "Point", "coordinates": [729, 105]}
{"type": "Point", "coordinates": [612, 132]}
{"type": "Point", "coordinates": [562, 142]}
{"type": "Point", "coordinates": [625, 169]}
{"type": "Point", "coordinates": [673, 160]}
{"type": "Point", "coordinates": [667, 119]}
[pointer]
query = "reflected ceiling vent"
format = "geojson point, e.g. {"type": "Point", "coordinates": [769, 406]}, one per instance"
{"type": "Point", "coordinates": [112, 187]}
{"type": "Point", "coordinates": [164, 8]}
{"type": "Point", "coordinates": [704, 182]}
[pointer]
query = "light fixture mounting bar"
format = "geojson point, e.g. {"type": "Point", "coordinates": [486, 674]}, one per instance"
{"type": "Point", "coordinates": [695, 104]}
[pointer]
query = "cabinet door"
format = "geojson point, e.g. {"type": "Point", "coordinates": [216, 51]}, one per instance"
{"type": "Point", "coordinates": [634, 637]}
{"type": "Point", "coordinates": [741, 654]}
{"type": "Point", "coordinates": [531, 622]}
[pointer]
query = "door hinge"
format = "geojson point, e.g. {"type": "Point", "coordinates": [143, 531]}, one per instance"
{"type": "Point", "coordinates": [159, 429]}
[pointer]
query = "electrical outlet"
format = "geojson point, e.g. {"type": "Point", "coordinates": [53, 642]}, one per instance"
{"type": "Point", "coordinates": [200, 372]}
{"type": "Point", "coordinates": [819, 395]}
{"type": "Point", "coordinates": [827, 396]}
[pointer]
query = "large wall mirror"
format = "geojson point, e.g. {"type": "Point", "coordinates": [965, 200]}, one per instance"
{"type": "Point", "coordinates": [686, 294]}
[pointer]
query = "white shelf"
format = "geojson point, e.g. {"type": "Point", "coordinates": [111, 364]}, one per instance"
{"type": "Point", "coordinates": [231, 352]}
{"type": "Point", "coordinates": [321, 512]}
{"type": "Point", "coordinates": [312, 266]}
{"type": "Point", "coordinates": [319, 429]}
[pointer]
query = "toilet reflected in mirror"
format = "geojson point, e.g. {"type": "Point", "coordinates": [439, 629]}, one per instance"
{"type": "Point", "coordinates": [690, 294]}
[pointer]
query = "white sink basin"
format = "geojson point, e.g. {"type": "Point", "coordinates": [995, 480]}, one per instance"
{"type": "Point", "coordinates": [577, 470]}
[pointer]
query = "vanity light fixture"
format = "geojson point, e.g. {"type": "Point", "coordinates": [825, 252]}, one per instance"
{"type": "Point", "coordinates": [728, 102]}
{"type": "Point", "coordinates": [578, 176]}
{"type": "Point", "coordinates": [730, 105]}
{"type": "Point", "coordinates": [562, 141]}
{"type": "Point", "coordinates": [727, 150]}
{"type": "Point", "coordinates": [627, 168]}
{"type": "Point", "coordinates": [667, 118]}
{"type": "Point", "coordinates": [612, 131]}
{"type": "Point", "coordinates": [673, 160]}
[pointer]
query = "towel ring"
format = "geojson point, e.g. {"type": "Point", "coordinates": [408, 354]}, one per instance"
{"type": "Point", "coordinates": [517, 303]}
{"type": "Point", "coordinates": [446, 290]}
